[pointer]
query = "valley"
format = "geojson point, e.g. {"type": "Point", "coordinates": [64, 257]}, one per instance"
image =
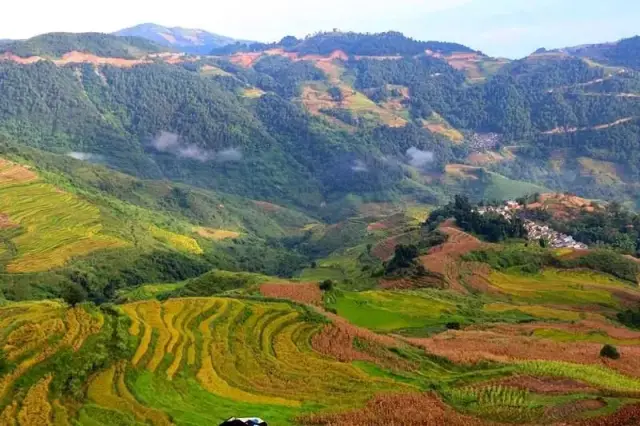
{"type": "Point", "coordinates": [313, 231]}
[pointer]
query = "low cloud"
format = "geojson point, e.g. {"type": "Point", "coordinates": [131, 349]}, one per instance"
{"type": "Point", "coordinates": [170, 143]}
{"type": "Point", "coordinates": [359, 166]}
{"type": "Point", "coordinates": [419, 158]}
{"type": "Point", "coordinates": [229, 154]}
{"type": "Point", "coordinates": [85, 156]}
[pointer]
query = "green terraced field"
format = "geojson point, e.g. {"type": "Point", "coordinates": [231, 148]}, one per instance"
{"type": "Point", "coordinates": [54, 226]}
{"type": "Point", "coordinates": [557, 287]}
{"type": "Point", "coordinates": [196, 361]}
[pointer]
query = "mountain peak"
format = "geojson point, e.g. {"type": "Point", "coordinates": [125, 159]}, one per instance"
{"type": "Point", "coordinates": [190, 40]}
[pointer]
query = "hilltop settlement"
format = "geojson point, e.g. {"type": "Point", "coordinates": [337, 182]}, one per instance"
{"type": "Point", "coordinates": [535, 231]}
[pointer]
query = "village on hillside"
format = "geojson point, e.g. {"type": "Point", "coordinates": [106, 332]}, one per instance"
{"type": "Point", "coordinates": [535, 231]}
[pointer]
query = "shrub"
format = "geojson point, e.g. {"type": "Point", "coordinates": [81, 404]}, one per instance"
{"type": "Point", "coordinates": [74, 294]}
{"type": "Point", "coordinates": [610, 351]}
{"type": "Point", "coordinates": [453, 325]}
{"type": "Point", "coordinates": [630, 318]}
{"type": "Point", "coordinates": [326, 285]}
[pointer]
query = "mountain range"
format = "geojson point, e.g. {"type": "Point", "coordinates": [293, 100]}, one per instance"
{"type": "Point", "coordinates": [182, 39]}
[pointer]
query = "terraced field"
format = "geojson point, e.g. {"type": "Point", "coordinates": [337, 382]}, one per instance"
{"type": "Point", "coordinates": [54, 226]}
{"type": "Point", "coordinates": [196, 361]}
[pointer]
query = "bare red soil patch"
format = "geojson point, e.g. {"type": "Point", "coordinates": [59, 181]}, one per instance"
{"type": "Point", "coordinates": [400, 410]}
{"type": "Point", "coordinates": [376, 226]}
{"type": "Point", "coordinates": [384, 250]}
{"type": "Point", "coordinates": [563, 206]}
{"type": "Point", "coordinates": [545, 385]}
{"type": "Point", "coordinates": [298, 292]}
{"type": "Point", "coordinates": [245, 60]}
{"type": "Point", "coordinates": [267, 206]}
{"type": "Point", "coordinates": [14, 173]}
{"type": "Point", "coordinates": [474, 346]}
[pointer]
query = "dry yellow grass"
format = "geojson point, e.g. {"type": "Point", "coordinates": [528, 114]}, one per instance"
{"type": "Point", "coordinates": [36, 410]}
{"type": "Point", "coordinates": [252, 93]}
{"type": "Point", "coordinates": [461, 171]}
{"type": "Point", "coordinates": [216, 234]}
{"type": "Point", "coordinates": [604, 172]}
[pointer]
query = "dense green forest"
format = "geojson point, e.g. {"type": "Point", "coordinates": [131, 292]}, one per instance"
{"type": "Point", "coordinates": [54, 45]}
{"type": "Point", "coordinates": [325, 43]}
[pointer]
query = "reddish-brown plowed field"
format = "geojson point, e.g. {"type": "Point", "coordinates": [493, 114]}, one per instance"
{"type": "Point", "coordinates": [545, 385]}
{"type": "Point", "coordinates": [302, 292]}
{"type": "Point", "coordinates": [444, 259]}
{"type": "Point", "coordinates": [581, 327]}
{"type": "Point", "coordinates": [337, 341]}
{"type": "Point", "coordinates": [474, 346]}
{"type": "Point", "coordinates": [626, 416]}
{"type": "Point", "coordinates": [573, 409]}
{"type": "Point", "coordinates": [397, 410]}
{"type": "Point", "coordinates": [384, 250]}
{"type": "Point", "coordinates": [459, 242]}
{"type": "Point", "coordinates": [411, 283]}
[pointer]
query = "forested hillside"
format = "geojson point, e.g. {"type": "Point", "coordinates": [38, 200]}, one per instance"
{"type": "Point", "coordinates": [312, 231]}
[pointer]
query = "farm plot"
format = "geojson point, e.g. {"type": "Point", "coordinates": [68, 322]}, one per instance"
{"type": "Point", "coordinates": [31, 334]}
{"type": "Point", "coordinates": [248, 352]}
{"type": "Point", "coordinates": [394, 310]}
{"type": "Point", "coordinates": [572, 288]}
{"type": "Point", "coordinates": [55, 226]}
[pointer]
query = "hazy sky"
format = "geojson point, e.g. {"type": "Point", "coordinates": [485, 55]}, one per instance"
{"type": "Point", "coordinates": [498, 27]}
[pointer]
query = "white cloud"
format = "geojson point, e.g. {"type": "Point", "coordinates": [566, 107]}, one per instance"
{"type": "Point", "coordinates": [419, 158]}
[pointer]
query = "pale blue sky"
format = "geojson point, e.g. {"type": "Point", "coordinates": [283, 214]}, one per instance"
{"type": "Point", "coordinates": [510, 28]}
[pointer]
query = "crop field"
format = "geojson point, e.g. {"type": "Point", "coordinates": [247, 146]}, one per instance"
{"type": "Point", "coordinates": [197, 361]}
{"type": "Point", "coordinates": [54, 226]}
{"type": "Point", "coordinates": [568, 288]}
{"type": "Point", "coordinates": [177, 241]}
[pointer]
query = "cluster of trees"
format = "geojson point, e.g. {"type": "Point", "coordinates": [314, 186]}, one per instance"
{"type": "Point", "coordinates": [491, 226]}
{"type": "Point", "coordinates": [625, 53]}
{"type": "Point", "coordinates": [286, 75]}
{"type": "Point", "coordinates": [325, 43]}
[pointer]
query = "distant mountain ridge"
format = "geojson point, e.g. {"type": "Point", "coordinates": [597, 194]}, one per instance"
{"type": "Point", "coordinates": [351, 43]}
{"type": "Point", "coordinates": [188, 40]}
{"type": "Point", "coordinates": [55, 45]}
{"type": "Point", "coordinates": [625, 52]}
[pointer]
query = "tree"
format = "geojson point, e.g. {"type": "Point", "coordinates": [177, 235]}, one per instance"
{"type": "Point", "coordinates": [404, 257]}
{"type": "Point", "coordinates": [336, 94]}
{"type": "Point", "coordinates": [326, 285]}
{"type": "Point", "coordinates": [609, 351]}
{"type": "Point", "coordinates": [74, 294]}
